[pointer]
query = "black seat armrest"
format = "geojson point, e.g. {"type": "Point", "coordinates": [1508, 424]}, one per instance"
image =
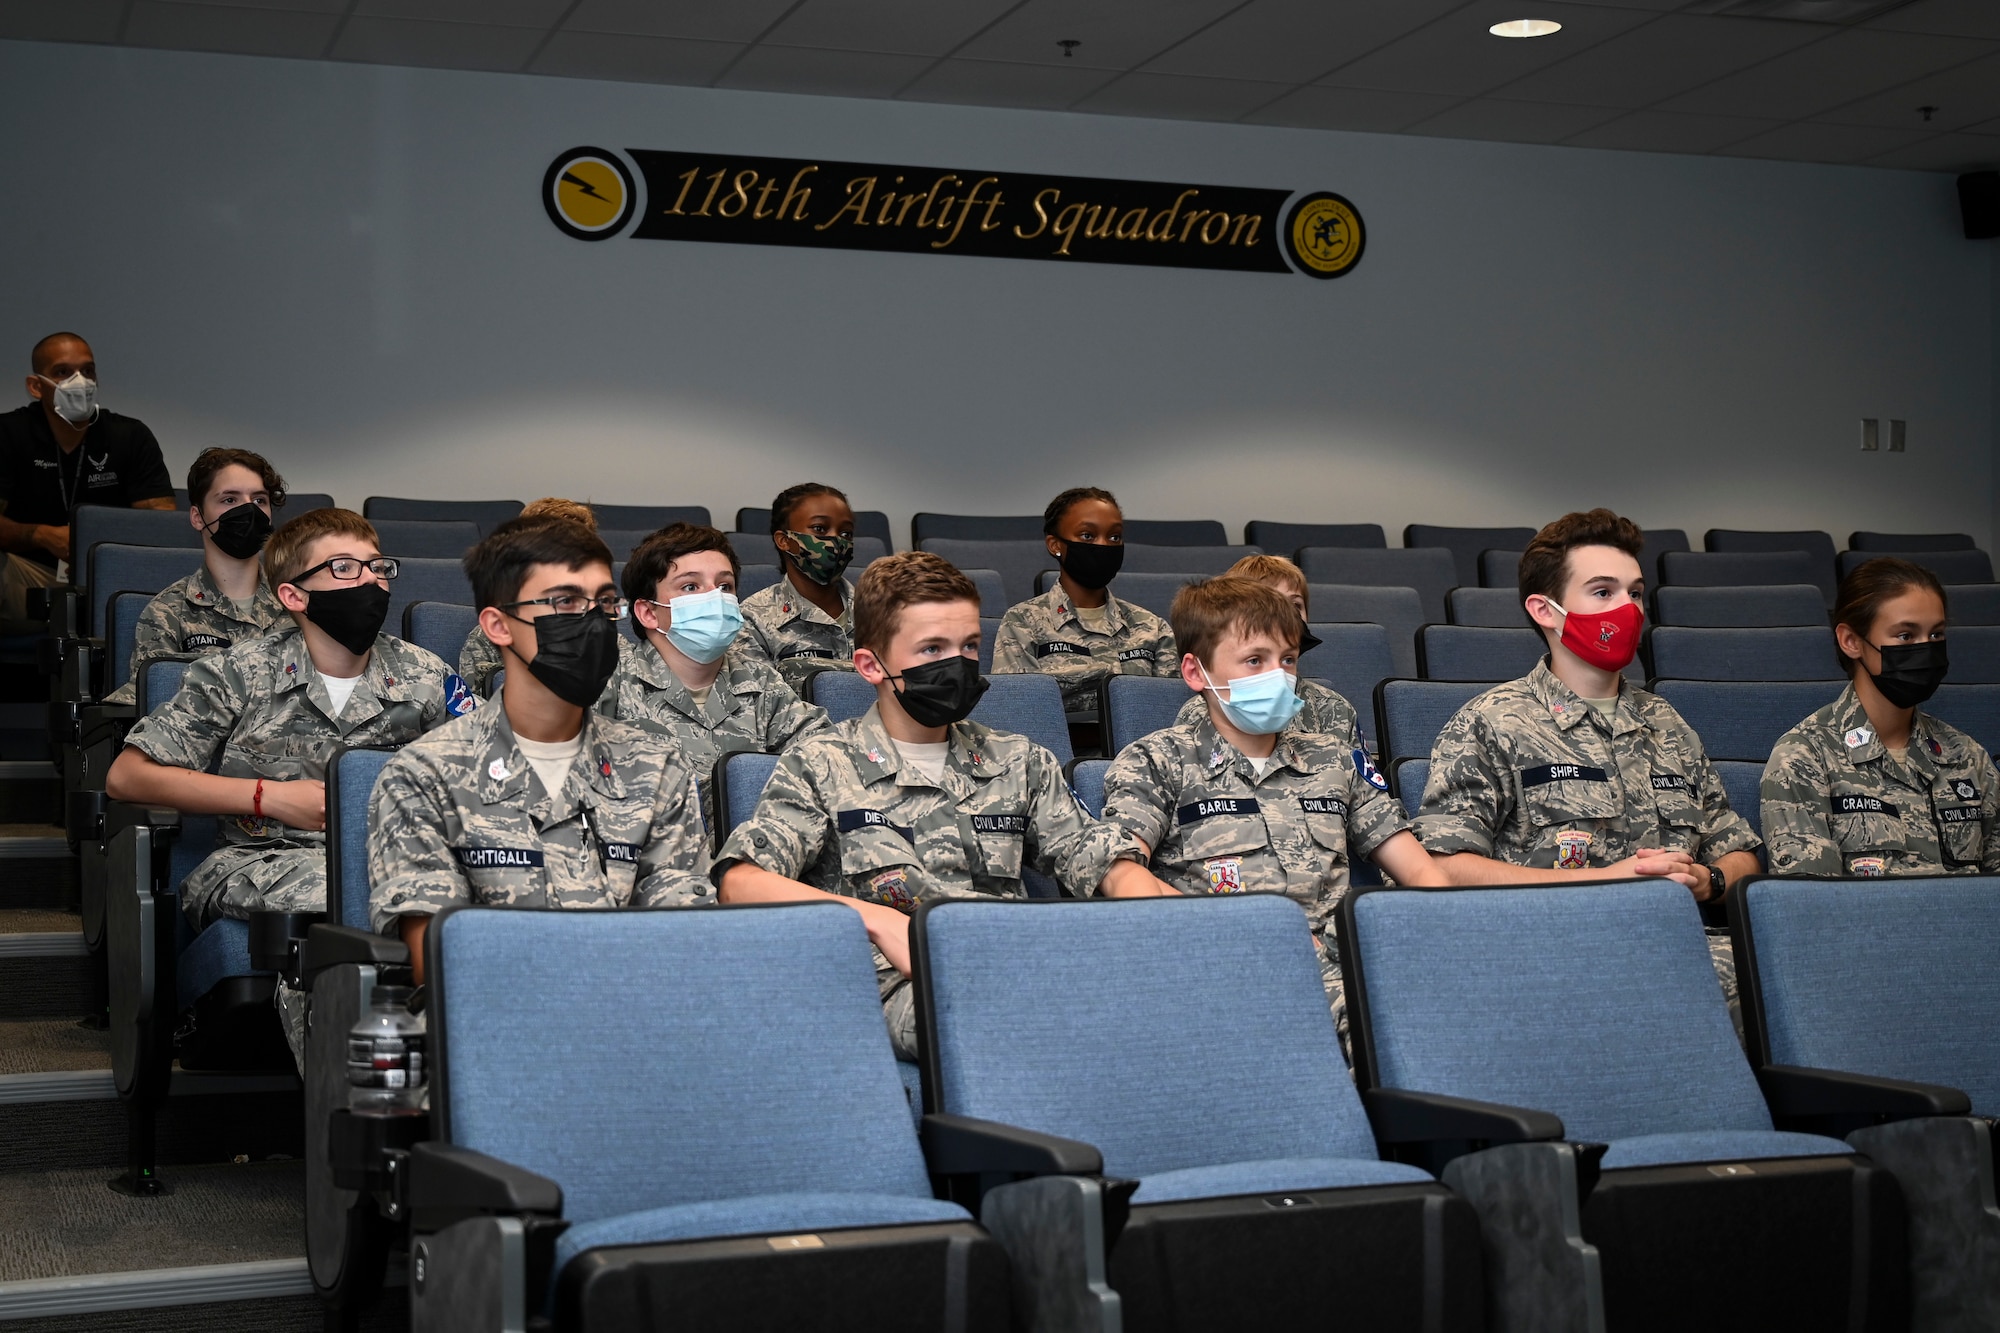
{"type": "Point", "coordinates": [965, 1145]}
{"type": "Point", "coordinates": [328, 945]}
{"type": "Point", "coordinates": [446, 1183]}
{"type": "Point", "coordinates": [123, 815]}
{"type": "Point", "coordinates": [1797, 1093]}
{"type": "Point", "coordinates": [100, 722]}
{"type": "Point", "coordinates": [1403, 1115]}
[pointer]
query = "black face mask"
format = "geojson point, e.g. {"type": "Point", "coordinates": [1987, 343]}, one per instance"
{"type": "Point", "coordinates": [1911, 672]}
{"type": "Point", "coordinates": [1307, 639]}
{"type": "Point", "coordinates": [575, 655]}
{"type": "Point", "coordinates": [241, 532]}
{"type": "Point", "coordinates": [351, 617]}
{"type": "Point", "coordinates": [938, 694]}
{"type": "Point", "coordinates": [1092, 565]}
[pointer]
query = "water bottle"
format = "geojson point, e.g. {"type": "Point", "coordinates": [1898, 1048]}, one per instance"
{"type": "Point", "coordinates": [385, 1057]}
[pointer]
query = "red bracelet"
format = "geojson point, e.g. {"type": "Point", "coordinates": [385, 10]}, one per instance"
{"type": "Point", "coordinates": [257, 800]}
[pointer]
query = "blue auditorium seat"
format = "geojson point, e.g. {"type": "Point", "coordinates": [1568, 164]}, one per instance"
{"type": "Point", "coordinates": [427, 580]}
{"type": "Point", "coordinates": [1086, 779]}
{"type": "Point", "coordinates": [1704, 1213]}
{"type": "Point", "coordinates": [1779, 652]}
{"type": "Point", "coordinates": [1743, 719]}
{"type": "Point", "coordinates": [439, 627]}
{"type": "Point", "coordinates": [1500, 569]}
{"type": "Point", "coordinates": [1409, 714]}
{"type": "Point", "coordinates": [1287, 538]}
{"type": "Point", "coordinates": [1495, 608]}
{"type": "Point", "coordinates": [621, 542]}
{"type": "Point", "coordinates": [1136, 706]}
{"type": "Point", "coordinates": [1740, 607]}
{"type": "Point", "coordinates": [1725, 569]}
{"type": "Point", "coordinates": [1467, 544]}
{"type": "Point", "coordinates": [806, 1132]}
{"type": "Point", "coordinates": [1478, 652]}
{"type": "Point", "coordinates": [1400, 611]}
{"type": "Point", "coordinates": [1973, 603]}
{"type": "Point", "coordinates": [1975, 653]}
{"type": "Point", "coordinates": [1187, 1043]}
{"type": "Point", "coordinates": [485, 514]}
{"type": "Point", "coordinates": [121, 630]}
{"type": "Point", "coordinates": [1430, 570]}
{"type": "Point", "coordinates": [1409, 777]}
{"type": "Point", "coordinates": [1911, 541]}
{"type": "Point", "coordinates": [925, 528]}
{"type": "Point", "coordinates": [114, 567]}
{"type": "Point", "coordinates": [755, 578]}
{"type": "Point", "coordinates": [429, 539]}
{"type": "Point", "coordinates": [648, 518]}
{"type": "Point", "coordinates": [1016, 562]}
{"type": "Point", "coordinates": [1743, 784]}
{"type": "Point", "coordinates": [1949, 566]}
{"type": "Point", "coordinates": [1353, 659]}
{"type": "Point", "coordinates": [1973, 708]}
{"type": "Point", "coordinates": [992, 591]}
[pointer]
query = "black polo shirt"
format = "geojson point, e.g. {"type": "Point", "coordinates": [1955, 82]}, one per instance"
{"type": "Point", "coordinates": [117, 464]}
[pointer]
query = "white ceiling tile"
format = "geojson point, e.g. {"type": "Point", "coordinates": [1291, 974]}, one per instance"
{"type": "Point", "coordinates": [1670, 55]}
{"type": "Point", "coordinates": [506, 13]}
{"type": "Point", "coordinates": [61, 20]}
{"type": "Point", "coordinates": [253, 32]}
{"type": "Point", "coordinates": [383, 41]}
{"type": "Point", "coordinates": [704, 20]}
{"type": "Point", "coordinates": [1516, 122]}
{"type": "Point", "coordinates": [605, 55]}
{"type": "Point", "coordinates": [1947, 152]}
{"type": "Point", "coordinates": [1366, 109]}
{"type": "Point", "coordinates": [1295, 41]}
{"type": "Point", "coordinates": [1962, 96]}
{"type": "Point", "coordinates": [913, 27]}
{"type": "Point", "coordinates": [1811, 141]}
{"type": "Point", "coordinates": [1115, 34]}
{"type": "Point", "coordinates": [999, 83]}
{"type": "Point", "coordinates": [799, 69]}
{"type": "Point", "coordinates": [1457, 55]}
{"type": "Point", "coordinates": [1180, 97]}
{"type": "Point", "coordinates": [1851, 63]}
{"type": "Point", "coordinates": [1669, 132]}
{"type": "Point", "coordinates": [1946, 18]}
{"type": "Point", "coordinates": [300, 6]}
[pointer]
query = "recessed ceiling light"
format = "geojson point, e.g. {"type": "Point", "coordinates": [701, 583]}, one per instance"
{"type": "Point", "coordinates": [1525, 28]}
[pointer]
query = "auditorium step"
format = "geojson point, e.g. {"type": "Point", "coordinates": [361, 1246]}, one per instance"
{"type": "Point", "coordinates": [37, 868]}
{"type": "Point", "coordinates": [28, 791]}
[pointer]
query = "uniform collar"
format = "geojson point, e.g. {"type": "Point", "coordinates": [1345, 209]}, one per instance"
{"type": "Point", "coordinates": [1568, 709]}
{"type": "Point", "coordinates": [503, 770]}
{"type": "Point", "coordinates": [647, 663]}
{"type": "Point", "coordinates": [1058, 603]}
{"type": "Point", "coordinates": [1215, 752]}
{"type": "Point", "coordinates": [794, 607]}
{"type": "Point", "coordinates": [1928, 750]}
{"type": "Point", "coordinates": [968, 750]}
{"type": "Point", "coordinates": [202, 591]}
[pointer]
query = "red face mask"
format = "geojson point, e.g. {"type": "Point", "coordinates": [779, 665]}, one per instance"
{"type": "Point", "coordinates": [1608, 640]}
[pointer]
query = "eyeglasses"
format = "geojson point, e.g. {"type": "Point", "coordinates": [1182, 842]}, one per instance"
{"type": "Point", "coordinates": [347, 568]}
{"type": "Point", "coordinates": [575, 604]}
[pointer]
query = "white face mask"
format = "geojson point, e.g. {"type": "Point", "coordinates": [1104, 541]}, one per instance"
{"type": "Point", "coordinates": [76, 398]}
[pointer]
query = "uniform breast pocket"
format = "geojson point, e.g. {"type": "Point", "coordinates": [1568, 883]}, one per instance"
{"type": "Point", "coordinates": [1567, 807]}
{"type": "Point", "coordinates": [1218, 837]}
{"type": "Point", "coordinates": [1679, 812]}
{"type": "Point", "coordinates": [1962, 834]}
{"type": "Point", "coordinates": [1865, 824]}
{"type": "Point", "coordinates": [1001, 839]}
{"type": "Point", "coordinates": [504, 876]}
{"type": "Point", "coordinates": [879, 864]}
{"type": "Point", "coordinates": [1326, 821]}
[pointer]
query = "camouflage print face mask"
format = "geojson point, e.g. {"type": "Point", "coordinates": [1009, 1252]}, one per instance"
{"type": "Point", "coordinates": [821, 559]}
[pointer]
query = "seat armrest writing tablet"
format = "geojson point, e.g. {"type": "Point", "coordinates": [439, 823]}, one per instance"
{"type": "Point", "coordinates": [448, 1183]}
{"type": "Point", "coordinates": [1403, 1115]}
{"type": "Point", "coordinates": [966, 1145]}
{"type": "Point", "coordinates": [1793, 1091]}
{"type": "Point", "coordinates": [330, 946]}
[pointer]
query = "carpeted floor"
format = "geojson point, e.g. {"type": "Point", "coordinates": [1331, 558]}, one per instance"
{"type": "Point", "coordinates": [68, 1223]}
{"type": "Point", "coordinates": [34, 920]}
{"type": "Point", "coordinates": [37, 1045]}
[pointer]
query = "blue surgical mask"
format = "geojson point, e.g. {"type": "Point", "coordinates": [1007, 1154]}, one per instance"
{"type": "Point", "coordinates": [1260, 705]}
{"type": "Point", "coordinates": [704, 624]}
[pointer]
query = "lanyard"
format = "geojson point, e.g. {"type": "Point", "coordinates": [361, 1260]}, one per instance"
{"type": "Point", "coordinates": [66, 485]}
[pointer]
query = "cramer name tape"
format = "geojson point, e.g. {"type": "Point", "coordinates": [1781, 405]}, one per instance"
{"type": "Point", "coordinates": [591, 194]}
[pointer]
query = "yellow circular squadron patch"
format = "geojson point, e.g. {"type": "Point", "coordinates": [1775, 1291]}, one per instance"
{"type": "Point", "coordinates": [1324, 235]}
{"type": "Point", "coordinates": [589, 193]}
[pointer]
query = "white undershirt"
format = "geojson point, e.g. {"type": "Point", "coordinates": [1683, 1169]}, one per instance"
{"type": "Point", "coordinates": [927, 760]}
{"type": "Point", "coordinates": [551, 760]}
{"type": "Point", "coordinates": [339, 689]}
{"type": "Point", "coordinates": [1261, 765]}
{"type": "Point", "coordinates": [1094, 617]}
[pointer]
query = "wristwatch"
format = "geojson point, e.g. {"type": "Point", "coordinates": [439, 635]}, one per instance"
{"type": "Point", "coordinates": [1718, 883]}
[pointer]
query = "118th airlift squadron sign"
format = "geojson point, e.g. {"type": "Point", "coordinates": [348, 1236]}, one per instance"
{"type": "Point", "coordinates": [591, 194]}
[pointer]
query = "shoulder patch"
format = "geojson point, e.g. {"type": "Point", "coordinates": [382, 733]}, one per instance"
{"type": "Point", "coordinates": [458, 696]}
{"type": "Point", "coordinates": [1371, 775]}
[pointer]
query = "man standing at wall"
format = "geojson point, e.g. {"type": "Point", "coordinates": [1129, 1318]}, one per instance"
{"type": "Point", "coordinates": [60, 451]}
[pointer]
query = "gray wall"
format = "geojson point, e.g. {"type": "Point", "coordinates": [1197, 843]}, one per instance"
{"type": "Point", "coordinates": [350, 269]}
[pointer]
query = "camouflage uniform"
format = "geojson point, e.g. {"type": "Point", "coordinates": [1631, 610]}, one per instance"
{"type": "Point", "coordinates": [1325, 713]}
{"type": "Point", "coordinates": [1837, 803]}
{"type": "Point", "coordinates": [1045, 636]}
{"type": "Point", "coordinates": [260, 710]}
{"type": "Point", "coordinates": [797, 636]}
{"type": "Point", "coordinates": [843, 813]}
{"type": "Point", "coordinates": [749, 708]}
{"type": "Point", "coordinates": [191, 616]}
{"type": "Point", "coordinates": [1216, 827]}
{"type": "Point", "coordinates": [1529, 774]}
{"type": "Point", "coordinates": [479, 661]}
{"type": "Point", "coordinates": [461, 817]}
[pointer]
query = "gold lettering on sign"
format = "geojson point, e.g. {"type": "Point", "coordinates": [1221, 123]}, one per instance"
{"type": "Point", "coordinates": [857, 201]}
{"type": "Point", "coordinates": [1194, 215]}
{"type": "Point", "coordinates": [1220, 231]}
{"type": "Point", "coordinates": [1253, 221]}
{"type": "Point", "coordinates": [987, 223]}
{"type": "Point", "coordinates": [1162, 226]}
{"type": "Point", "coordinates": [923, 214]}
{"type": "Point", "coordinates": [964, 212]}
{"type": "Point", "coordinates": [739, 195]}
{"type": "Point", "coordinates": [1041, 213]}
{"type": "Point", "coordinates": [1132, 225]}
{"type": "Point", "coordinates": [1067, 222]}
{"type": "Point", "coordinates": [796, 198]}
